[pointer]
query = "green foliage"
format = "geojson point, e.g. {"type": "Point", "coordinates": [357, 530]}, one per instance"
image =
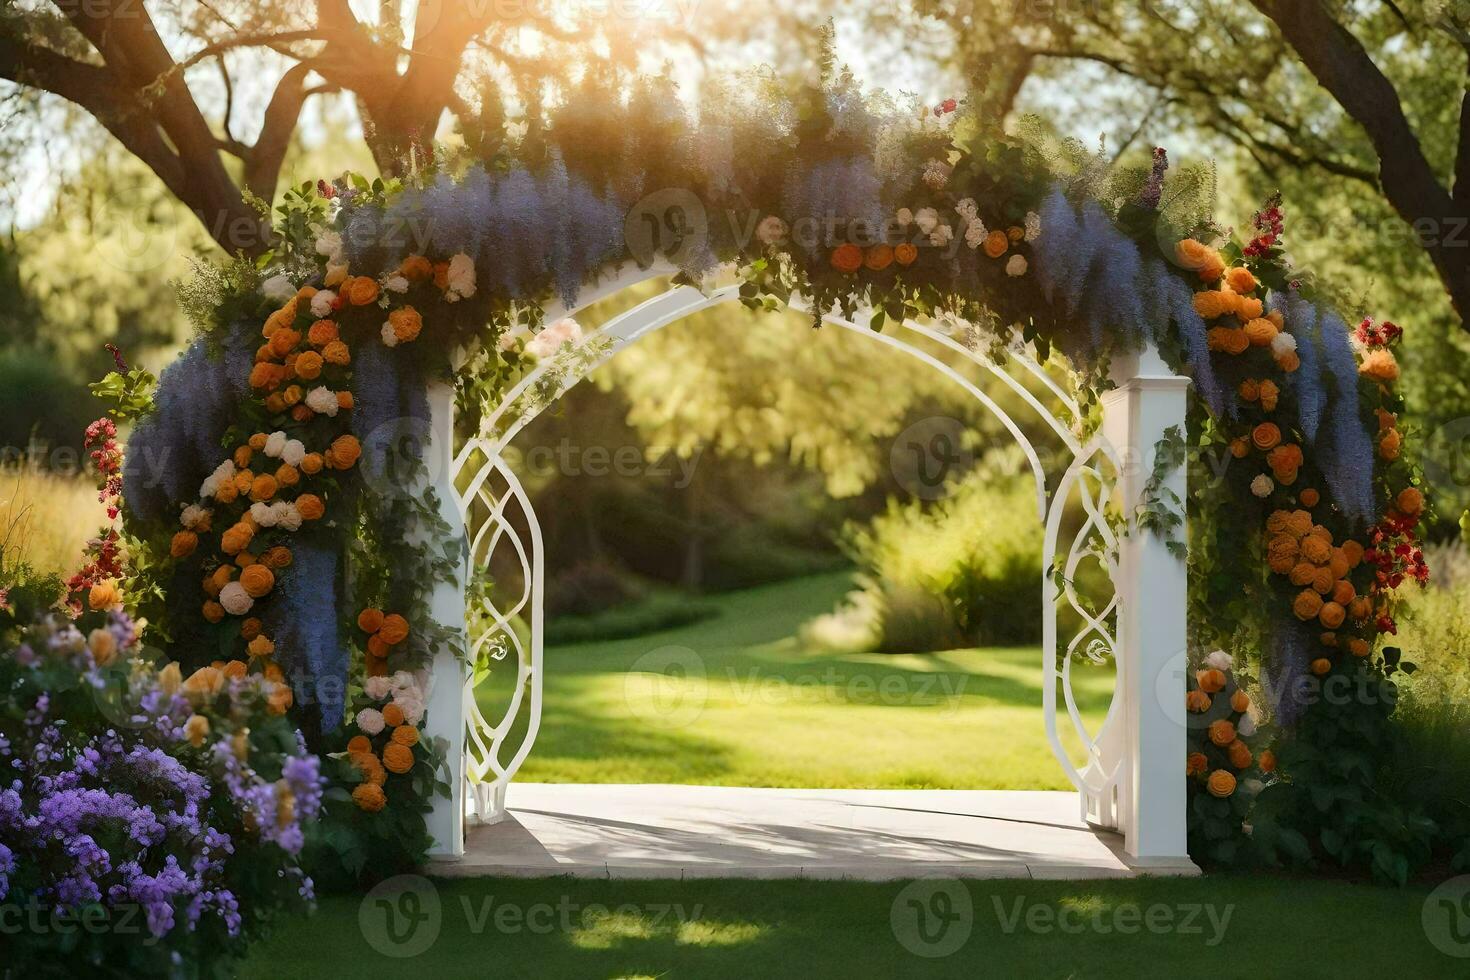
{"type": "Point", "coordinates": [657, 611]}
{"type": "Point", "coordinates": [132, 391]}
{"type": "Point", "coordinates": [964, 571]}
{"type": "Point", "coordinates": [42, 401]}
{"type": "Point", "coordinates": [1161, 512]}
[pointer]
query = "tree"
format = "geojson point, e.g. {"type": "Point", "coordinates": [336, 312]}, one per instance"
{"type": "Point", "coordinates": [1367, 95]}
{"type": "Point", "coordinates": [114, 60]}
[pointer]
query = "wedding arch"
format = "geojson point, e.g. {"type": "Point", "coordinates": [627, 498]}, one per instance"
{"type": "Point", "coordinates": [277, 528]}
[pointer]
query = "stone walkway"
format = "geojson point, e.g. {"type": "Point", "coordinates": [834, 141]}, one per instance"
{"type": "Point", "coordinates": [622, 831]}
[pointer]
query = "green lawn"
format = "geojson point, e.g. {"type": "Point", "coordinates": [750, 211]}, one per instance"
{"type": "Point", "coordinates": [1225, 927]}
{"type": "Point", "coordinates": [754, 708]}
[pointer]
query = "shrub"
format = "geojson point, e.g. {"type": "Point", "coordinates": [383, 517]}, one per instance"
{"type": "Point", "coordinates": [40, 400]}
{"type": "Point", "coordinates": [658, 611]}
{"type": "Point", "coordinates": [590, 587]}
{"type": "Point", "coordinates": [150, 824]}
{"type": "Point", "coordinates": [965, 571]}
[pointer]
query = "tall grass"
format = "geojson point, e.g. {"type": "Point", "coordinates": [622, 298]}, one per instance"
{"type": "Point", "coordinates": [46, 519]}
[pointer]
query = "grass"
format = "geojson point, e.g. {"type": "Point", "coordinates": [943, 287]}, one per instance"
{"type": "Point", "coordinates": [736, 700]}
{"type": "Point", "coordinates": [553, 928]}
{"type": "Point", "coordinates": [47, 519]}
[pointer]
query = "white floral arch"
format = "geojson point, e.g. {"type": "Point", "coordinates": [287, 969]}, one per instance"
{"type": "Point", "coordinates": [1131, 781]}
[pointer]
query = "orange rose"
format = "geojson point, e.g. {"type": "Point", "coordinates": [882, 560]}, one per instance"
{"type": "Point", "coordinates": [344, 400]}
{"type": "Point", "coordinates": [1360, 608]}
{"type": "Point", "coordinates": [1239, 701]}
{"type": "Point", "coordinates": [359, 743]}
{"type": "Point", "coordinates": [996, 244]}
{"type": "Point", "coordinates": [406, 735]}
{"type": "Point", "coordinates": [1210, 681]}
{"type": "Point", "coordinates": [258, 580]}
{"type": "Point", "coordinates": [1389, 444]}
{"type": "Point", "coordinates": [1267, 761]}
{"type": "Point", "coordinates": [1240, 754]}
{"type": "Point", "coordinates": [1358, 647]}
{"type": "Point", "coordinates": [1321, 666]}
{"type": "Point", "coordinates": [292, 395]}
{"type": "Point", "coordinates": [344, 452]}
{"type": "Point", "coordinates": [322, 333]}
{"type": "Point", "coordinates": [183, 544]}
{"type": "Point", "coordinates": [1299, 522]}
{"type": "Point", "coordinates": [1343, 592]}
{"type": "Point", "coordinates": [1306, 605]}
{"type": "Point", "coordinates": [1283, 546]}
{"type": "Point", "coordinates": [1241, 280]}
{"type": "Point", "coordinates": [1249, 389]}
{"type": "Point", "coordinates": [309, 365]}
{"type": "Point", "coordinates": [1231, 340]}
{"type": "Point", "coordinates": [287, 475]}
{"type": "Point", "coordinates": [1270, 394]}
{"type": "Point", "coordinates": [1322, 581]}
{"type": "Point", "coordinates": [1222, 732]}
{"type": "Point", "coordinates": [311, 464]}
{"type": "Point", "coordinates": [1332, 615]}
{"type": "Point", "coordinates": [360, 290]}
{"type": "Point", "coordinates": [406, 322]}
{"type": "Point", "coordinates": [1195, 764]}
{"type": "Point", "coordinates": [1197, 701]}
{"type": "Point", "coordinates": [310, 506]}
{"type": "Point", "coordinates": [1380, 365]}
{"type": "Point", "coordinates": [441, 275]}
{"type": "Point", "coordinates": [847, 258]}
{"type": "Point", "coordinates": [260, 646]}
{"type": "Point", "coordinates": [302, 414]}
{"type": "Point", "coordinates": [262, 488]}
{"type": "Point", "coordinates": [1302, 573]}
{"type": "Point", "coordinates": [416, 268]}
{"type": "Point", "coordinates": [905, 253]}
{"type": "Point", "coordinates": [1239, 448]}
{"type": "Point", "coordinates": [250, 628]}
{"type": "Point", "coordinates": [265, 375]}
{"type": "Point", "coordinates": [236, 539]}
{"type": "Point", "coordinates": [368, 797]}
{"type": "Point", "coordinates": [370, 620]}
{"type": "Point", "coordinates": [1221, 783]}
{"type": "Point", "coordinates": [1309, 497]}
{"type": "Point", "coordinates": [397, 757]}
{"type": "Point", "coordinates": [394, 629]}
{"type": "Point", "coordinates": [1410, 500]}
{"type": "Point", "coordinates": [377, 648]}
{"type": "Point", "coordinates": [1261, 332]}
{"type": "Point", "coordinates": [336, 353]}
{"type": "Point", "coordinates": [392, 714]}
{"type": "Point", "coordinates": [1266, 436]}
{"type": "Point", "coordinates": [284, 342]}
{"type": "Point", "coordinates": [1248, 308]}
{"type": "Point", "coordinates": [1288, 361]}
{"type": "Point", "coordinates": [277, 557]}
{"type": "Point", "coordinates": [213, 611]}
{"type": "Point", "coordinates": [879, 257]}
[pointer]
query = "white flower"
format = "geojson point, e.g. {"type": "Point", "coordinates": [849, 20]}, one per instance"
{"type": "Point", "coordinates": [941, 236]}
{"type": "Point", "coordinates": [927, 219]}
{"type": "Point", "coordinates": [1033, 226]}
{"type": "Point", "coordinates": [511, 339]}
{"type": "Point", "coordinates": [904, 217]}
{"type": "Point", "coordinates": [336, 272]}
{"type": "Point", "coordinates": [194, 517]}
{"type": "Point", "coordinates": [321, 303]}
{"type": "Point", "coordinates": [771, 231]}
{"type": "Point", "coordinates": [389, 335]}
{"type": "Point", "coordinates": [1016, 265]}
{"type": "Point", "coordinates": [222, 472]}
{"type": "Point", "coordinates": [377, 688]}
{"type": "Point", "coordinates": [329, 243]}
{"type": "Point", "coordinates": [1262, 485]}
{"type": "Point", "coordinates": [370, 720]}
{"type": "Point", "coordinates": [461, 277]}
{"type": "Point", "coordinates": [1219, 660]}
{"type": "Point", "coordinates": [1283, 343]}
{"type": "Point", "coordinates": [550, 340]}
{"type": "Point", "coordinates": [967, 209]}
{"type": "Point", "coordinates": [323, 401]}
{"type": "Point", "coordinates": [403, 680]}
{"type": "Point", "coordinates": [936, 173]}
{"type": "Point", "coordinates": [975, 233]}
{"type": "Point", "coordinates": [395, 284]}
{"type": "Point", "coordinates": [293, 452]}
{"type": "Point", "coordinates": [278, 288]}
{"type": "Point", "coordinates": [1252, 787]}
{"type": "Point", "coordinates": [412, 706]}
{"type": "Point", "coordinates": [287, 516]}
{"type": "Point", "coordinates": [264, 514]}
{"type": "Point", "coordinates": [1247, 726]}
{"type": "Point", "coordinates": [274, 443]}
{"type": "Point", "coordinates": [235, 599]}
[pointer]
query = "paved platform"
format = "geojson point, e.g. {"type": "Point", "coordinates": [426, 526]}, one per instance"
{"type": "Point", "coordinates": [656, 831]}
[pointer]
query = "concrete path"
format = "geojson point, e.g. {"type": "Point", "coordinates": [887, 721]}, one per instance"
{"type": "Point", "coordinates": [627, 831]}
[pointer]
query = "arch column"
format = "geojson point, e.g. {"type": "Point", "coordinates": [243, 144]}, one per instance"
{"type": "Point", "coordinates": [1152, 622]}
{"type": "Point", "coordinates": [449, 675]}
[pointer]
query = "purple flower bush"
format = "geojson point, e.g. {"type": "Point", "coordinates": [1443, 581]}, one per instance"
{"type": "Point", "coordinates": [149, 824]}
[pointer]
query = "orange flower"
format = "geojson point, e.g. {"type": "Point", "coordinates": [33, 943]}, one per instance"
{"type": "Point", "coordinates": [1240, 754]}
{"type": "Point", "coordinates": [1358, 647]}
{"type": "Point", "coordinates": [310, 506]}
{"type": "Point", "coordinates": [1288, 361]}
{"type": "Point", "coordinates": [1239, 701]}
{"type": "Point", "coordinates": [1221, 783]}
{"type": "Point", "coordinates": [1299, 522]}
{"type": "Point", "coordinates": [213, 611]}
{"type": "Point", "coordinates": [996, 244]}
{"type": "Point", "coordinates": [847, 258]}
{"type": "Point", "coordinates": [1197, 701]}
{"type": "Point", "coordinates": [905, 253]}
{"type": "Point", "coordinates": [1322, 581]}
{"type": "Point", "coordinates": [236, 539]}
{"type": "Point", "coordinates": [394, 629]}
{"type": "Point", "coordinates": [1389, 444]}
{"type": "Point", "coordinates": [1269, 395]}
{"type": "Point", "coordinates": [1302, 573]}
{"type": "Point", "coordinates": [406, 322]}
{"type": "Point", "coordinates": [260, 646]}
{"type": "Point", "coordinates": [311, 464]}
{"type": "Point", "coordinates": [1360, 608]}
{"type": "Point", "coordinates": [258, 580]}
{"type": "Point", "coordinates": [392, 714]}
{"type": "Point", "coordinates": [377, 648]}
{"type": "Point", "coordinates": [1321, 666]}
{"type": "Point", "coordinates": [336, 353]}
{"type": "Point", "coordinates": [287, 475]}
{"type": "Point", "coordinates": [1266, 436]}
{"type": "Point", "coordinates": [263, 487]}
{"type": "Point", "coordinates": [344, 452]}
{"type": "Point", "coordinates": [370, 619]}
{"type": "Point", "coordinates": [344, 400]}
{"type": "Point", "coordinates": [1267, 761]}
{"type": "Point", "coordinates": [1309, 497]}
{"type": "Point", "coordinates": [301, 413]}
{"type": "Point", "coordinates": [1248, 308]}
{"type": "Point", "coordinates": [1380, 365]}
{"type": "Point", "coordinates": [1241, 280]}
{"type": "Point", "coordinates": [183, 544]}
{"type": "Point", "coordinates": [283, 342]}
{"type": "Point", "coordinates": [1283, 546]}
{"type": "Point", "coordinates": [1332, 615]}
{"type": "Point", "coordinates": [1261, 332]}
{"type": "Point", "coordinates": [1343, 592]}
{"type": "Point", "coordinates": [265, 375]}
{"type": "Point", "coordinates": [1212, 303]}
{"type": "Point", "coordinates": [235, 669]}
{"type": "Point", "coordinates": [397, 757]}
{"type": "Point", "coordinates": [276, 557]}
{"type": "Point", "coordinates": [1222, 732]}
{"type": "Point", "coordinates": [1231, 340]}
{"type": "Point", "coordinates": [1210, 680]}
{"type": "Point", "coordinates": [416, 268]}
{"type": "Point", "coordinates": [441, 275]}
{"type": "Point", "coordinates": [360, 290]}
{"type": "Point", "coordinates": [1306, 605]}
{"type": "Point", "coordinates": [406, 735]}
{"type": "Point", "coordinates": [250, 628]}
{"type": "Point", "coordinates": [1249, 389]}
{"type": "Point", "coordinates": [1410, 500]}
{"type": "Point", "coordinates": [279, 699]}
{"type": "Point", "coordinates": [309, 365]}
{"type": "Point", "coordinates": [359, 743]}
{"type": "Point", "coordinates": [1195, 764]}
{"type": "Point", "coordinates": [1239, 448]}
{"type": "Point", "coordinates": [879, 257]}
{"type": "Point", "coordinates": [322, 333]}
{"type": "Point", "coordinates": [368, 797]}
